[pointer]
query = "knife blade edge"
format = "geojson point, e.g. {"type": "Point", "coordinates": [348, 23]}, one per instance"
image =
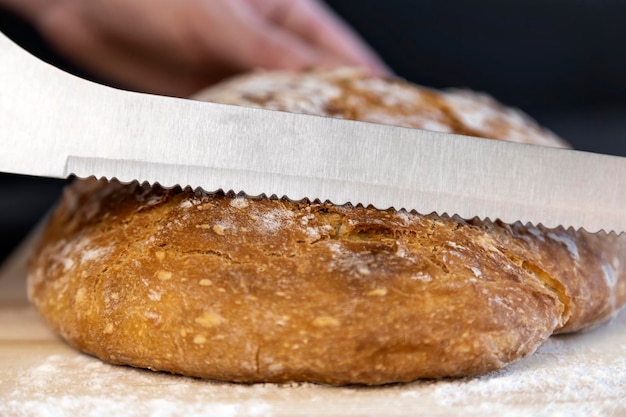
{"type": "Point", "coordinates": [290, 187]}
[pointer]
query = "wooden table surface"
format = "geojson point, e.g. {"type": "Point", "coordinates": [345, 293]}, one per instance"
{"type": "Point", "coordinates": [574, 375]}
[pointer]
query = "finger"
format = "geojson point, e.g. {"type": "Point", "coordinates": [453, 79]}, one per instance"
{"type": "Point", "coordinates": [115, 62]}
{"type": "Point", "coordinates": [319, 26]}
{"type": "Point", "coordinates": [247, 40]}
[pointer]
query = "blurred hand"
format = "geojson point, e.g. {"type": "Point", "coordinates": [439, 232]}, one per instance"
{"type": "Point", "coordinates": [176, 47]}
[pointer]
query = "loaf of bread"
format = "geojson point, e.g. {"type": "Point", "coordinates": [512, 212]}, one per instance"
{"type": "Point", "coordinates": [224, 286]}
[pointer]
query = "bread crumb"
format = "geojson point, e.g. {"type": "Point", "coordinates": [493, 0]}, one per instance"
{"type": "Point", "coordinates": [275, 367]}
{"type": "Point", "coordinates": [164, 275]}
{"type": "Point", "coordinates": [153, 316]}
{"type": "Point", "coordinates": [325, 321]}
{"type": "Point", "coordinates": [363, 270]}
{"type": "Point", "coordinates": [205, 282]}
{"type": "Point", "coordinates": [218, 229]}
{"type": "Point", "coordinates": [109, 328]}
{"type": "Point", "coordinates": [80, 296]}
{"type": "Point", "coordinates": [377, 292]}
{"type": "Point", "coordinates": [199, 339]}
{"type": "Point", "coordinates": [401, 250]}
{"type": "Point", "coordinates": [209, 319]}
{"type": "Point", "coordinates": [154, 295]}
{"type": "Point", "coordinates": [160, 255]}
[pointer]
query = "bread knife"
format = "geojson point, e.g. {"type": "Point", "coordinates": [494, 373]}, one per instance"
{"type": "Point", "coordinates": [54, 124]}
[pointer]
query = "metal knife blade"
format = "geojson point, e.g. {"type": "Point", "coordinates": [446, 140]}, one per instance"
{"type": "Point", "coordinates": [54, 124]}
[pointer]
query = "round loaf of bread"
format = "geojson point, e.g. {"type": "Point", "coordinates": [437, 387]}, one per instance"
{"type": "Point", "coordinates": [223, 286]}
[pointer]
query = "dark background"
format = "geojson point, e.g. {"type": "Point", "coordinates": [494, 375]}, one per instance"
{"type": "Point", "coordinates": [563, 62]}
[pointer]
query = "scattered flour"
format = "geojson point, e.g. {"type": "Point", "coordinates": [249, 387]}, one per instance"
{"type": "Point", "coordinates": [82, 247]}
{"type": "Point", "coordinates": [185, 204]}
{"type": "Point", "coordinates": [577, 375]}
{"type": "Point", "coordinates": [93, 254]}
{"type": "Point", "coordinates": [477, 272]}
{"type": "Point", "coordinates": [274, 220]}
{"type": "Point", "coordinates": [239, 202]}
{"type": "Point", "coordinates": [78, 385]}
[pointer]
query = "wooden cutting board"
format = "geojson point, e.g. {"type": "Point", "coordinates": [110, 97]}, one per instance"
{"type": "Point", "coordinates": [574, 375]}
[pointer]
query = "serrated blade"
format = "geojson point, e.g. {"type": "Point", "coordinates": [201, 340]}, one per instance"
{"type": "Point", "coordinates": [54, 124]}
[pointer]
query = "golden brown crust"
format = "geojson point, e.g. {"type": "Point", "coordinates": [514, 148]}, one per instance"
{"type": "Point", "coordinates": [587, 270]}
{"type": "Point", "coordinates": [241, 289]}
